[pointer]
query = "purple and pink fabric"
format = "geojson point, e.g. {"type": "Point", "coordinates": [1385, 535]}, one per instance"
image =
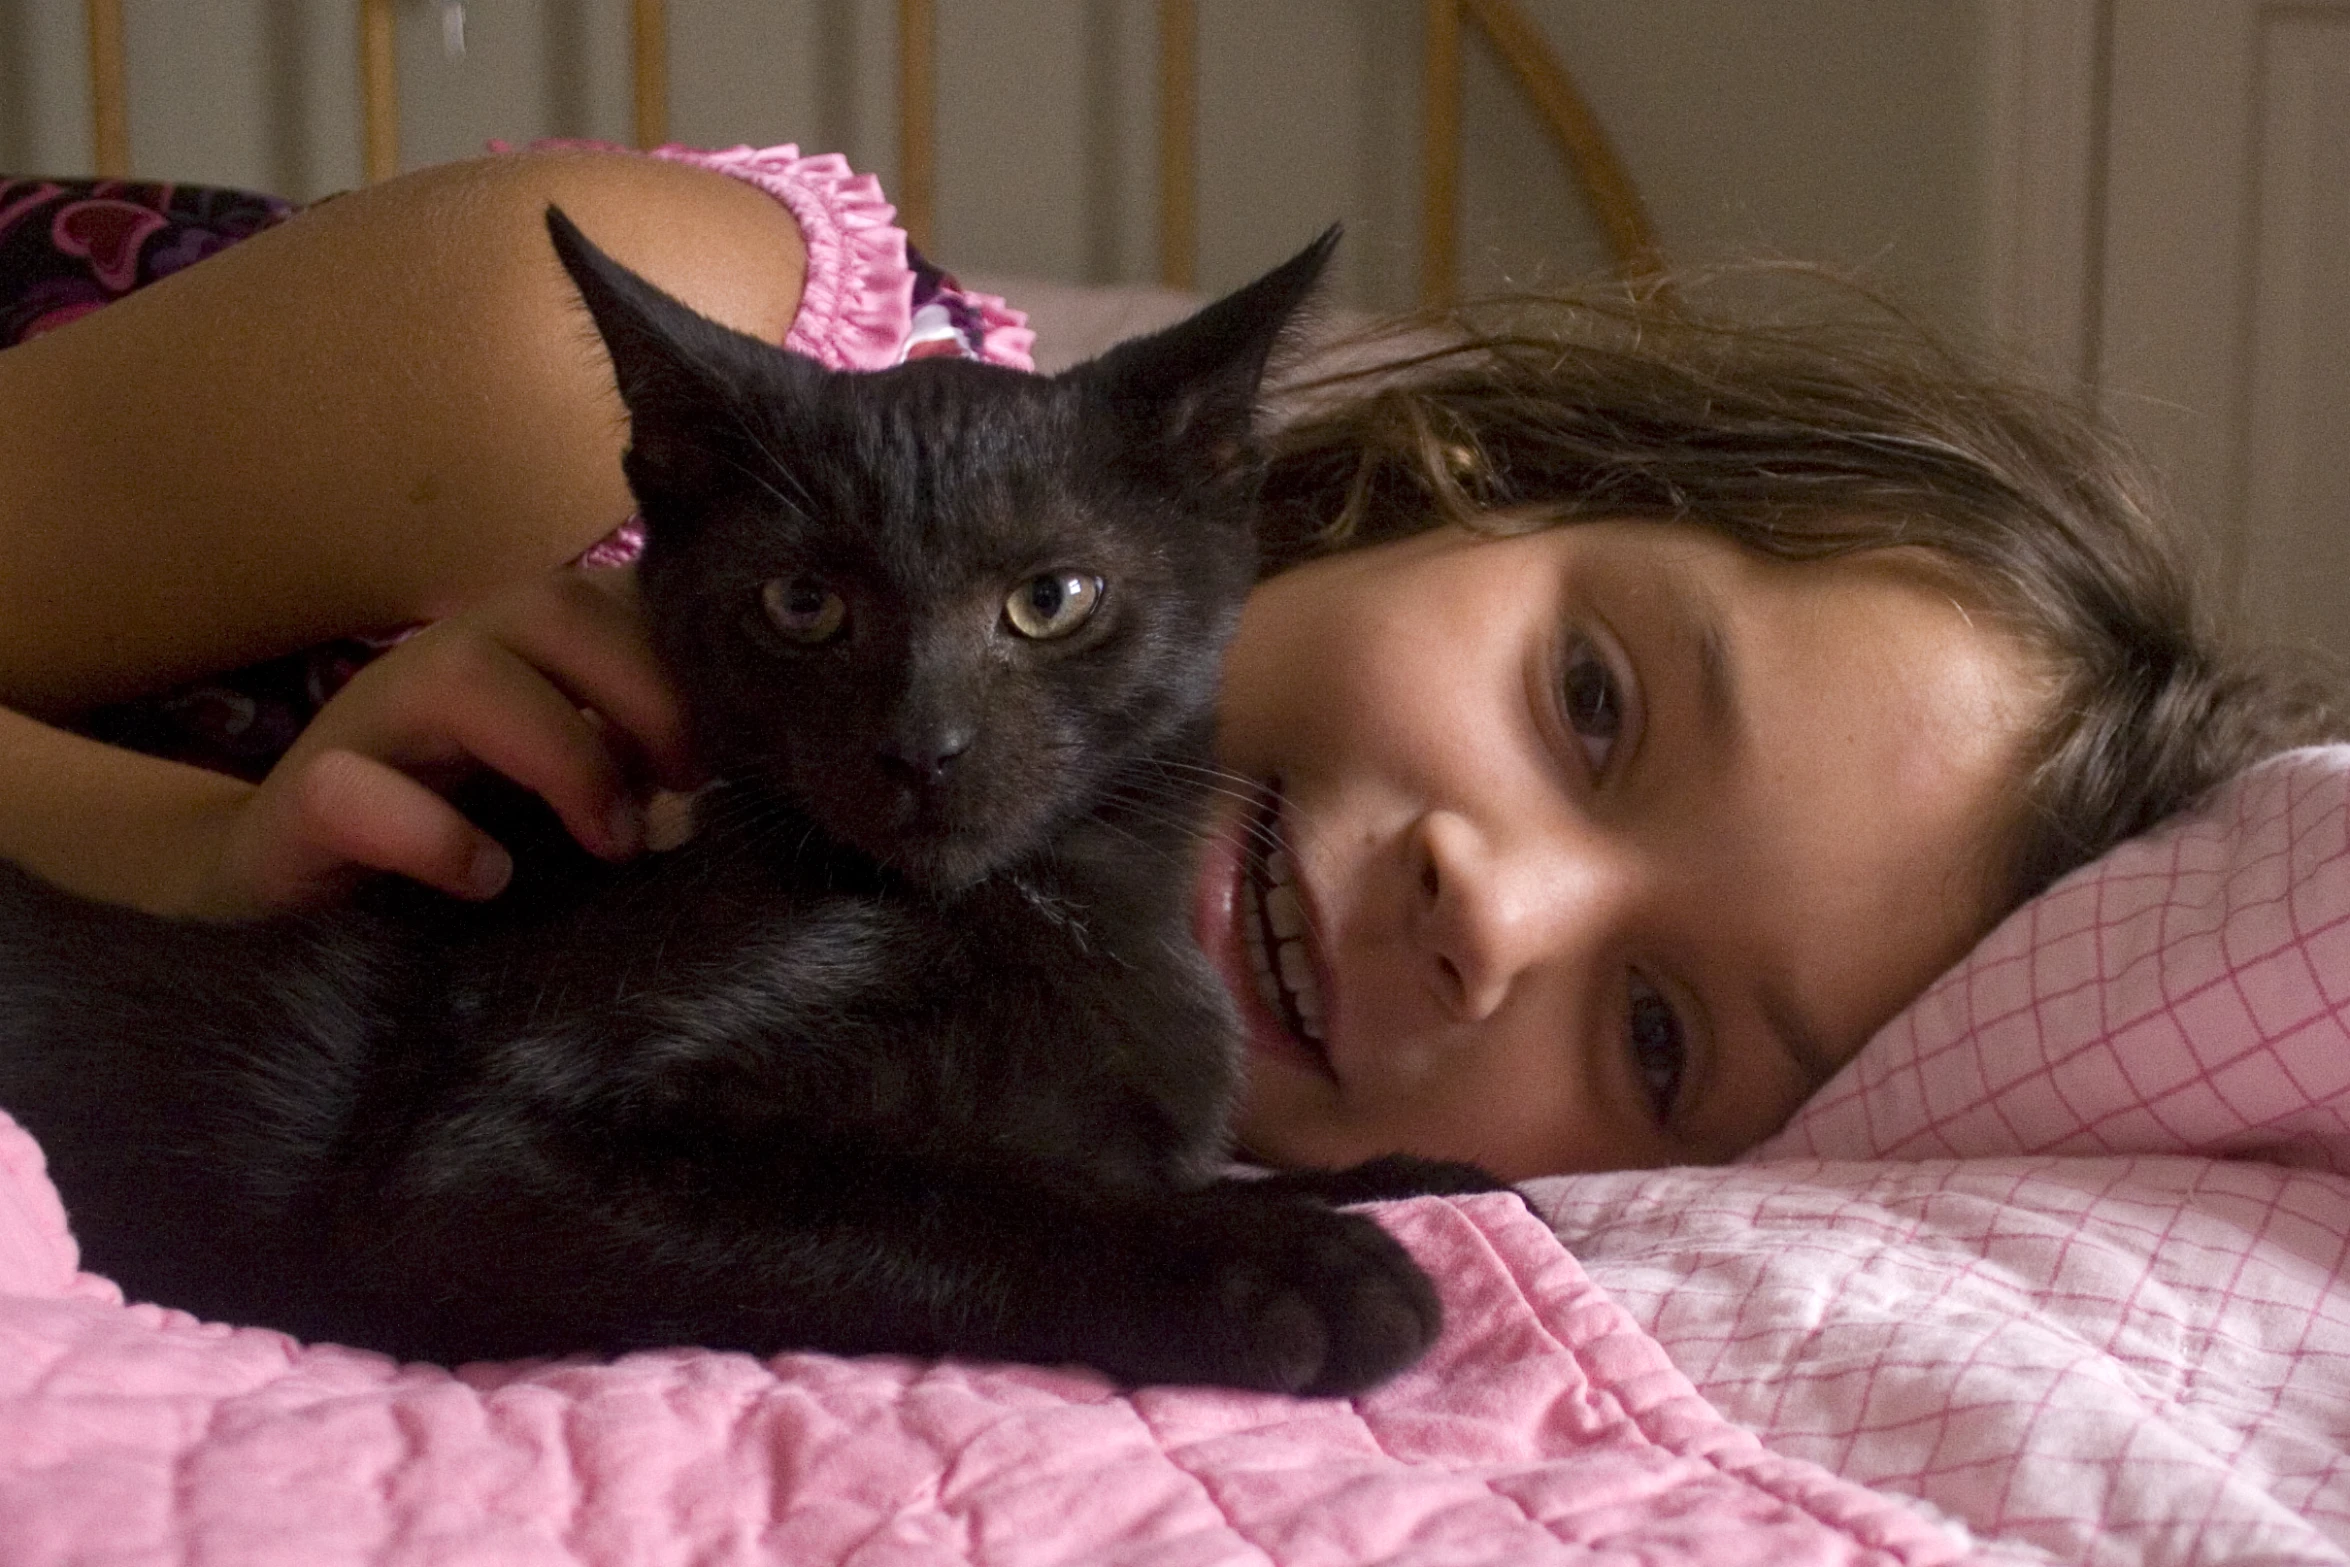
{"type": "Point", "coordinates": [70, 246]}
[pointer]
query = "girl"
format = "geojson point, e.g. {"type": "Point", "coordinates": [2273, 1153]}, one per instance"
{"type": "Point", "coordinates": [1560, 847]}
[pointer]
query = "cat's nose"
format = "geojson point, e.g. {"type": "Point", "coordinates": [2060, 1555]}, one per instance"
{"type": "Point", "coordinates": [923, 756]}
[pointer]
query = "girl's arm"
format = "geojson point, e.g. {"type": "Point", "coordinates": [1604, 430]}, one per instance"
{"type": "Point", "coordinates": [552, 682]}
{"type": "Point", "coordinates": [386, 410]}
{"type": "Point", "coordinates": [110, 823]}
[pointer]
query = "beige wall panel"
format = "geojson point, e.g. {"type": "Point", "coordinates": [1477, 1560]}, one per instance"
{"type": "Point", "coordinates": [2043, 123]}
{"type": "Point", "coordinates": [1843, 131]}
{"type": "Point", "coordinates": [1012, 79]}
{"type": "Point", "coordinates": [2225, 322]}
{"type": "Point", "coordinates": [2296, 487]}
{"type": "Point", "coordinates": [1282, 104]}
{"type": "Point", "coordinates": [2177, 204]}
{"type": "Point", "coordinates": [747, 73]}
{"type": "Point", "coordinates": [44, 87]}
{"type": "Point", "coordinates": [1840, 130]}
{"type": "Point", "coordinates": [531, 68]}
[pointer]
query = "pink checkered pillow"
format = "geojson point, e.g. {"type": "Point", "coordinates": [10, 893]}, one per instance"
{"type": "Point", "coordinates": [2187, 993]}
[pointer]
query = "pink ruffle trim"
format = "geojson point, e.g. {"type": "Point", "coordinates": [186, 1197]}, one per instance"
{"type": "Point", "coordinates": [857, 305]}
{"type": "Point", "coordinates": [856, 308]}
{"type": "Point", "coordinates": [858, 302]}
{"type": "Point", "coordinates": [1007, 340]}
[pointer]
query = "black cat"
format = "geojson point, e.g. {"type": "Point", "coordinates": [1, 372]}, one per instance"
{"type": "Point", "coordinates": [909, 1049]}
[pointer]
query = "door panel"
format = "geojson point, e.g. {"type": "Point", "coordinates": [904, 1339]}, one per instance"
{"type": "Point", "coordinates": [2224, 327]}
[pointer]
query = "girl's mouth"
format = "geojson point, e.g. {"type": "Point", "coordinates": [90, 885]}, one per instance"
{"type": "Point", "coordinates": [1276, 931]}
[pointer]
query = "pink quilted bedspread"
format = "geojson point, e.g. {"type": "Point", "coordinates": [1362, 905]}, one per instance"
{"type": "Point", "coordinates": [1544, 1427]}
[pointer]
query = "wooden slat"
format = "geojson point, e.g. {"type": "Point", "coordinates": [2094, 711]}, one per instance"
{"type": "Point", "coordinates": [1440, 153]}
{"type": "Point", "coordinates": [651, 58]}
{"type": "Point", "coordinates": [1178, 143]}
{"type": "Point", "coordinates": [379, 90]}
{"type": "Point", "coordinates": [110, 120]}
{"type": "Point", "coordinates": [917, 119]}
{"type": "Point", "coordinates": [1614, 201]}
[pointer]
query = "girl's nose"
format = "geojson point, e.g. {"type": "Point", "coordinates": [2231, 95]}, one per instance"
{"type": "Point", "coordinates": [1489, 913]}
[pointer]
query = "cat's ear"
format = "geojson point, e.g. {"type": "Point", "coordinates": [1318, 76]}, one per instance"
{"type": "Point", "coordinates": [680, 373]}
{"type": "Point", "coordinates": [1195, 384]}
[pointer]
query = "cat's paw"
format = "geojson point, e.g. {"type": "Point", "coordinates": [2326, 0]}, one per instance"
{"type": "Point", "coordinates": [1294, 1297]}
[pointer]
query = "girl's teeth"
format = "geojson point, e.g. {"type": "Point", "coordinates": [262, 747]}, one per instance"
{"type": "Point", "coordinates": [1287, 914]}
{"type": "Point", "coordinates": [1284, 974]}
{"type": "Point", "coordinates": [1294, 971]}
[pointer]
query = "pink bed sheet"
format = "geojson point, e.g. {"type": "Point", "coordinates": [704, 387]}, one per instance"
{"type": "Point", "coordinates": [1544, 1427]}
{"type": "Point", "coordinates": [2105, 1362]}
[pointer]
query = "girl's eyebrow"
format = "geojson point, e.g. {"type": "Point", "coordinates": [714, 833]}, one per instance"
{"type": "Point", "coordinates": [1723, 718]}
{"type": "Point", "coordinates": [1698, 624]}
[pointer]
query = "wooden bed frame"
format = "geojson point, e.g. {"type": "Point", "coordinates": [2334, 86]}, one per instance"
{"type": "Point", "coordinates": [1532, 64]}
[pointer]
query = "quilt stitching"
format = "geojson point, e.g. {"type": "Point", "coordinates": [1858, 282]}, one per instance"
{"type": "Point", "coordinates": [2192, 1452]}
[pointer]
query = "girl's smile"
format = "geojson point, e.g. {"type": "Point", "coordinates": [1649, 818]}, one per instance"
{"type": "Point", "coordinates": [1253, 917]}
{"type": "Point", "coordinates": [1592, 847]}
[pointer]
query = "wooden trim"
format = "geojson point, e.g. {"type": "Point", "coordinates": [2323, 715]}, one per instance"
{"type": "Point", "coordinates": [649, 58]}
{"type": "Point", "coordinates": [1614, 200]}
{"type": "Point", "coordinates": [379, 90]}
{"type": "Point", "coordinates": [917, 119]}
{"type": "Point", "coordinates": [110, 121]}
{"type": "Point", "coordinates": [1440, 153]}
{"type": "Point", "coordinates": [1178, 143]}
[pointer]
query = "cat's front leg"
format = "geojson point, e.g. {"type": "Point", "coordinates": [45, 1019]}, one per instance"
{"type": "Point", "coordinates": [1235, 1284]}
{"type": "Point", "coordinates": [836, 1245]}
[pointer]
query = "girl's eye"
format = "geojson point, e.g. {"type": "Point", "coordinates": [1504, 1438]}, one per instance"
{"type": "Point", "coordinates": [1053, 604]}
{"type": "Point", "coordinates": [1660, 1050]}
{"type": "Point", "coordinates": [804, 609]}
{"type": "Point", "coordinates": [1594, 707]}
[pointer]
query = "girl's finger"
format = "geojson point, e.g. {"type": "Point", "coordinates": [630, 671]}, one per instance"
{"type": "Point", "coordinates": [483, 703]}
{"type": "Point", "coordinates": [353, 814]}
{"type": "Point", "coordinates": [583, 632]}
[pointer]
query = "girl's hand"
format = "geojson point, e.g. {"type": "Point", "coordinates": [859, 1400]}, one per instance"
{"type": "Point", "coordinates": [552, 683]}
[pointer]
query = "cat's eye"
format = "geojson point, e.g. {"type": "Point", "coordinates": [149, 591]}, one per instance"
{"type": "Point", "coordinates": [804, 609]}
{"type": "Point", "coordinates": [1053, 604]}
{"type": "Point", "coordinates": [1659, 1044]}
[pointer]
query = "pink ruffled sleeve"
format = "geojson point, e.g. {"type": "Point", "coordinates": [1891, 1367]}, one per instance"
{"type": "Point", "coordinates": [857, 306]}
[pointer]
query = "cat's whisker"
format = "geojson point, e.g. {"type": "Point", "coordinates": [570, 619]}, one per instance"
{"type": "Point", "coordinates": [1220, 781]}
{"type": "Point", "coordinates": [801, 504]}
{"type": "Point", "coordinates": [1182, 799]}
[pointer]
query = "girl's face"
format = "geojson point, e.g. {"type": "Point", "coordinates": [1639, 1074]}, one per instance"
{"type": "Point", "coordinates": [1592, 848]}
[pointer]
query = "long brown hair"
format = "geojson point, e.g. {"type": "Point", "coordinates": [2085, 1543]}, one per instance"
{"type": "Point", "coordinates": [1811, 440]}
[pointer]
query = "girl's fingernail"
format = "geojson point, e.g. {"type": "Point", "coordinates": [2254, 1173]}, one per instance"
{"type": "Point", "coordinates": [491, 869]}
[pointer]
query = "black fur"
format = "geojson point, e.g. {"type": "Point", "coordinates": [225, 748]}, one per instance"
{"type": "Point", "coordinates": [908, 1050]}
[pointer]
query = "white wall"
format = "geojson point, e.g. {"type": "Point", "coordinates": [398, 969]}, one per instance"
{"type": "Point", "coordinates": [1843, 130]}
